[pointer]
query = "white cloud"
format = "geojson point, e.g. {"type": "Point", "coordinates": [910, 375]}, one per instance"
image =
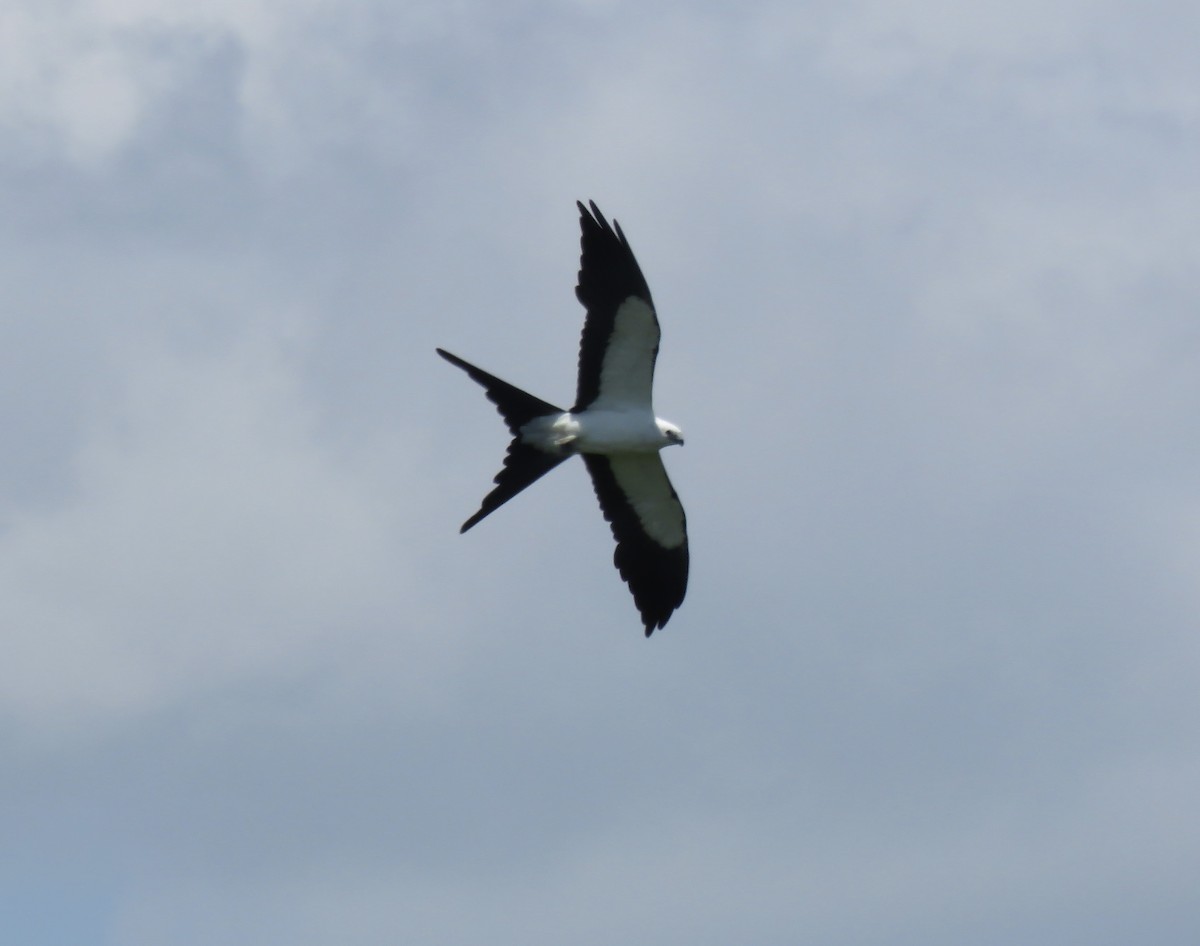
{"type": "Point", "coordinates": [210, 538]}
{"type": "Point", "coordinates": [80, 79]}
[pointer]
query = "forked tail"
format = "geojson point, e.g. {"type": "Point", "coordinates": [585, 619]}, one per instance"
{"type": "Point", "coordinates": [523, 464]}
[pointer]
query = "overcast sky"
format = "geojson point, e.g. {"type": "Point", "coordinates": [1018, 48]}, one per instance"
{"type": "Point", "coordinates": [928, 277]}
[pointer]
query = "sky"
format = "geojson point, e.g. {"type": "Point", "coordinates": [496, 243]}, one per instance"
{"type": "Point", "coordinates": [927, 276]}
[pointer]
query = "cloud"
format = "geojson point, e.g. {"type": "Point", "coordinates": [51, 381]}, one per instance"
{"type": "Point", "coordinates": [83, 79]}
{"type": "Point", "coordinates": [927, 280]}
{"type": "Point", "coordinates": [209, 538]}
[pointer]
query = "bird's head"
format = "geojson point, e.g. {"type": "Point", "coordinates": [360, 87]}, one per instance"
{"type": "Point", "coordinates": [671, 433]}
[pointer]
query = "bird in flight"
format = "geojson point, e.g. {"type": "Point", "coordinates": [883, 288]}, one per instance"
{"type": "Point", "coordinates": [612, 425]}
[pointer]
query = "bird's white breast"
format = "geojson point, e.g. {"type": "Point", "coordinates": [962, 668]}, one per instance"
{"type": "Point", "coordinates": [603, 432]}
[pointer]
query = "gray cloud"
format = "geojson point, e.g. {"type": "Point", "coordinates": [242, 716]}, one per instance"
{"type": "Point", "coordinates": [926, 278]}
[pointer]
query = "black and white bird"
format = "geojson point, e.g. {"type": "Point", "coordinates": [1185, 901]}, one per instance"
{"type": "Point", "coordinates": [612, 425]}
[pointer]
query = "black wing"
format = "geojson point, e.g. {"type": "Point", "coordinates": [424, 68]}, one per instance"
{"type": "Point", "coordinates": [620, 333]}
{"type": "Point", "coordinates": [650, 527]}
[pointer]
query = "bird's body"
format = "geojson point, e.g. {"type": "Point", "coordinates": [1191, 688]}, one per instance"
{"type": "Point", "coordinates": [612, 426]}
{"type": "Point", "coordinates": [601, 432]}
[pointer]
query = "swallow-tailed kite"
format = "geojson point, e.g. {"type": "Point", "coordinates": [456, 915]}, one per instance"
{"type": "Point", "coordinates": [612, 425]}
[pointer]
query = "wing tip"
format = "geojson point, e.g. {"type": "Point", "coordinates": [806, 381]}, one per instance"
{"type": "Point", "coordinates": [657, 622]}
{"type": "Point", "coordinates": [594, 214]}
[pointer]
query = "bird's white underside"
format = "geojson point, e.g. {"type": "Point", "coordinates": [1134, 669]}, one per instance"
{"type": "Point", "coordinates": [621, 418]}
{"type": "Point", "coordinates": [620, 424]}
{"type": "Point", "coordinates": [631, 441]}
{"type": "Point", "coordinates": [597, 431]}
